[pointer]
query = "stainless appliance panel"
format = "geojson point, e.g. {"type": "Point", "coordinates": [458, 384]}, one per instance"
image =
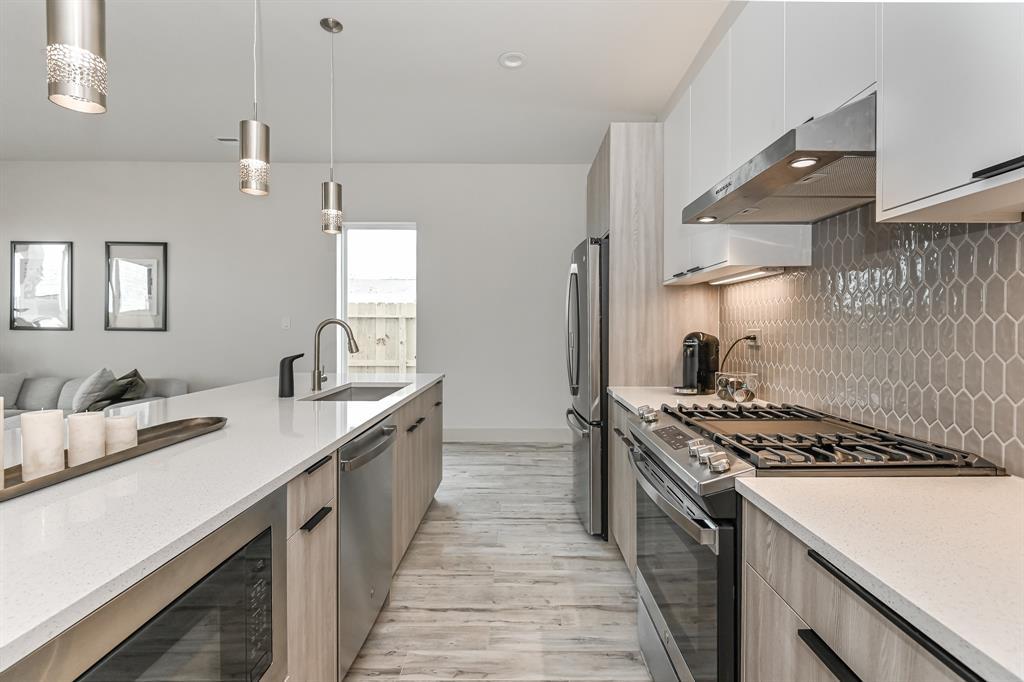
{"type": "Point", "coordinates": [659, 665]}
{"type": "Point", "coordinates": [583, 330]}
{"type": "Point", "coordinates": [586, 364]}
{"type": "Point", "coordinates": [175, 591]}
{"type": "Point", "coordinates": [685, 576]}
{"type": "Point", "coordinates": [364, 540]}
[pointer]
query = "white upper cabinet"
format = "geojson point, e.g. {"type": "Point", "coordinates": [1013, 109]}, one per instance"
{"type": "Point", "coordinates": [709, 123]}
{"type": "Point", "coordinates": [676, 135]}
{"type": "Point", "coordinates": [756, 84]}
{"type": "Point", "coordinates": [830, 56]}
{"type": "Point", "coordinates": [951, 102]}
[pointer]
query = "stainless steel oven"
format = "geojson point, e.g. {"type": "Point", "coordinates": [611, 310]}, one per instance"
{"type": "Point", "coordinates": [217, 611]}
{"type": "Point", "coordinates": [686, 580]}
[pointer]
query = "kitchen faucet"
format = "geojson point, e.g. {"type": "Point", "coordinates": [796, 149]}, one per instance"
{"type": "Point", "coordinates": [320, 373]}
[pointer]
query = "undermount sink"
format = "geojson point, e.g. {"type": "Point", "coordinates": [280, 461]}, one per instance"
{"type": "Point", "coordinates": [360, 392]}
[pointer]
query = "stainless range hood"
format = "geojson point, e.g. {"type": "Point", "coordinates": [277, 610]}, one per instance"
{"type": "Point", "coordinates": [817, 170]}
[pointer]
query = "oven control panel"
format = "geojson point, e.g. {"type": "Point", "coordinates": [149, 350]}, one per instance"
{"type": "Point", "coordinates": [673, 436]}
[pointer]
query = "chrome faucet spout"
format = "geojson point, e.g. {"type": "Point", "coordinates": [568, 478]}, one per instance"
{"type": "Point", "coordinates": [319, 375]}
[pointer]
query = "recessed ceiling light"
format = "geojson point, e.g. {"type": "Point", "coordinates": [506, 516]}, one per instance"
{"type": "Point", "coordinates": [512, 60]}
{"type": "Point", "coordinates": [804, 162]}
{"type": "Point", "coordinates": [707, 219]}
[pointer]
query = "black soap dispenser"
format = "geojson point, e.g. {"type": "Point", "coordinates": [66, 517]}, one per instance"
{"type": "Point", "coordinates": [286, 376]}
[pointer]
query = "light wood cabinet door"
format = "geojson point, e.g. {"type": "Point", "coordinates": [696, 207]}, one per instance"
{"type": "Point", "coordinates": [770, 649]}
{"type": "Point", "coordinates": [622, 488]}
{"type": "Point", "coordinates": [311, 490]}
{"type": "Point", "coordinates": [403, 494]}
{"type": "Point", "coordinates": [676, 138]}
{"type": "Point", "coordinates": [951, 94]}
{"type": "Point", "coordinates": [417, 468]}
{"type": "Point", "coordinates": [313, 598]}
{"type": "Point", "coordinates": [873, 646]}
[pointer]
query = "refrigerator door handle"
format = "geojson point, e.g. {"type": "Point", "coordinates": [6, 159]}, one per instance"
{"type": "Point", "coordinates": [574, 423]}
{"type": "Point", "coordinates": [572, 356]}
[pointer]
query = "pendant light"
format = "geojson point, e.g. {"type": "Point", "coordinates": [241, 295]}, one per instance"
{"type": "Point", "coordinates": [254, 137]}
{"type": "Point", "coordinates": [331, 214]}
{"type": "Point", "coordinates": [76, 54]}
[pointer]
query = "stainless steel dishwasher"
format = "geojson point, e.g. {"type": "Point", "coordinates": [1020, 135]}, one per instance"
{"type": "Point", "coordinates": [364, 536]}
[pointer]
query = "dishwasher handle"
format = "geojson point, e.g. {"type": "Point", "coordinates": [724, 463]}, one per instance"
{"type": "Point", "coordinates": [364, 455]}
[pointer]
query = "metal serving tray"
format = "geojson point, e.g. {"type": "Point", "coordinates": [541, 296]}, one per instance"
{"type": "Point", "coordinates": [150, 439]}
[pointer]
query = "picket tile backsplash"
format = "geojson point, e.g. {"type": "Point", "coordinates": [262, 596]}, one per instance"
{"type": "Point", "coordinates": [917, 328]}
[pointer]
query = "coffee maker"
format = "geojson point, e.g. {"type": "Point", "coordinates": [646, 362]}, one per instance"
{"type": "Point", "coordinates": [700, 362]}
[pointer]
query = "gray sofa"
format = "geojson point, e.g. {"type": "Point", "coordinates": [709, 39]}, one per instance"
{"type": "Point", "coordinates": [49, 393]}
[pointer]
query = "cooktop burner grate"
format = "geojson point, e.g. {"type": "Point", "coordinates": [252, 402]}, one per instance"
{"type": "Point", "coordinates": [789, 436]}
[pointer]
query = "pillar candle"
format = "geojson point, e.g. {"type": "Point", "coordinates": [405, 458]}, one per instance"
{"type": "Point", "coordinates": [122, 433]}
{"type": "Point", "coordinates": [42, 443]}
{"type": "Point", "coordinates": [86, 437]}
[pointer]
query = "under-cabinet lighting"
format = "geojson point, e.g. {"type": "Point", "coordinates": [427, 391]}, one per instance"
{"type": "Point", "coordinates": [763, 272]}
{"type": "Point", "coordinates": [707, 219]}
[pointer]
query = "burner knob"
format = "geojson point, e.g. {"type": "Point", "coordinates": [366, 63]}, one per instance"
{"type": "Point", "coordinates": [694, 444]}
{"type": "Point", "coordinates": [704, 454]}
{"type": "Point", "coordinates": [647, 414]}
{"type": "Point", "coordinates": [718, 462]}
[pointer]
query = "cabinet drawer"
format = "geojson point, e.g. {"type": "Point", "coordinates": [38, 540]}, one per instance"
{"type": "Point", "coordinates": [311, 490]}
{"type": "Point", "coordinates": [771, 646]}
{"type": "Point", "coordinates": [313, 598]}
{"type": "Point", "coordinates": [871, 644]}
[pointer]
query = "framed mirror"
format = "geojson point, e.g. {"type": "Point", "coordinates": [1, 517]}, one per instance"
{"type": "Point", "coordinates": [41, 286]}
{"type": "Point", "coordinates": [136, 298]}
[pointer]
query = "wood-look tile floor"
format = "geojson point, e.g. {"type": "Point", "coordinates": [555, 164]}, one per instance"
{"type": "Point", "coordinates": [502, 583]}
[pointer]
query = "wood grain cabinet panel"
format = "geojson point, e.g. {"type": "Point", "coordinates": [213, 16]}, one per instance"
{"type": "Point", "coordinates": [417, 466]}
{"type": "Point", "coordinates": [868, 642]}
{"type": "Point", "coordinates": [311, 490]}
{"type": "Point", "coordinates": [313, 600]}
{"type": "Point", "coordinates": [772, 651]}
{"type": "Point", "coordinates": [622, 488]}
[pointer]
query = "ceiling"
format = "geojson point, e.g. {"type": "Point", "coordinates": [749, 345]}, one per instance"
{"type": "Point", "coordinates": [417, 80]}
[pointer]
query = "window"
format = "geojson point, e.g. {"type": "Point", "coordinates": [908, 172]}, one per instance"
{"type": "Point", "coordinates": [377, 296]}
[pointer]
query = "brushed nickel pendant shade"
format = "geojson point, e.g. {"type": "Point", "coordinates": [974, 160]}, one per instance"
{"type": "Point", "coordinates": [76, 54]}
{"type": "Point", "coordinates": [331, 213]}
{"type": "Point", "coordinates": [254, 136]}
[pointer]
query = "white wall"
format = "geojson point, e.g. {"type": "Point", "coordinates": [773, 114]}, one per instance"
{"type": "Point", "coordinates": [493, 243]}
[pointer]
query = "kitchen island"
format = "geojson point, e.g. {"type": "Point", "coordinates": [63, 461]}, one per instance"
{"type": "Point", "coordinates": [68, 549]}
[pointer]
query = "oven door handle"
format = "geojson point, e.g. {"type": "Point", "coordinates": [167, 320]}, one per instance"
{"type": "Point", "coordinates": [707, 537]}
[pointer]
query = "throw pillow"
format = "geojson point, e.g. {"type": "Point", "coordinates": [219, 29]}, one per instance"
{"type": "Point", "coordinates": [91, 389]}
{"type": "Point", "coordinates": [131, 386]}
{"type": "Point", "coordinates": [10, 387]}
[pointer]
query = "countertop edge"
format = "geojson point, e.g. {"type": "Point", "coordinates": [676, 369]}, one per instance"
{"type": "Point", "coordinates": [30, 640]}
{"type": "Point", "coordinates": [968, 654]}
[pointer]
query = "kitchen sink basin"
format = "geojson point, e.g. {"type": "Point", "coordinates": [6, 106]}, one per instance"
{"type": "Point", "coordinates": [360, 393]}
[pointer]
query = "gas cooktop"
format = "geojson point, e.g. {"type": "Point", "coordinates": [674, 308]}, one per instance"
{"type": "Point", "coordinates": [793, 437]}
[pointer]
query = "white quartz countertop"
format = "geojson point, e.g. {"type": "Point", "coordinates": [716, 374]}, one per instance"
{"type": "Point", "coordinates": [68, 549]}
{"type": "Point", "coordinates": [946, 553]}
{"type": "Point", "coordinates": [633, 397]}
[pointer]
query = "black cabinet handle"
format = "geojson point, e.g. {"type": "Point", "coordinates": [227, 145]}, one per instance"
{"type": "Point", "coordinates": [926, 642]}
{"type": "Point", "coordinates": [999, 168]}
{"type": "Point", "coordinates": [413, 427]}
{"type": "Point", "coordinates": [421, 420]}
{"type": "Point", "coordinates": [618, 431]}
{"type": "Point", "coordinates": [315, 519]}
{"type": "Point", "coordinates": [438, 403]}
{"type": "Point", "coordinates": [829, 658]}
{"type": "Point", "coordinates": [317, 464]}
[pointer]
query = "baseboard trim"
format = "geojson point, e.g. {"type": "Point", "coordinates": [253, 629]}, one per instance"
{"type": "Point", "coordinates": [507, 436]}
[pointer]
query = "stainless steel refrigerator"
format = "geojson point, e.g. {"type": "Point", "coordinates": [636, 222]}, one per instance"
{"type": "Point", "coordinates": [586, 355]}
